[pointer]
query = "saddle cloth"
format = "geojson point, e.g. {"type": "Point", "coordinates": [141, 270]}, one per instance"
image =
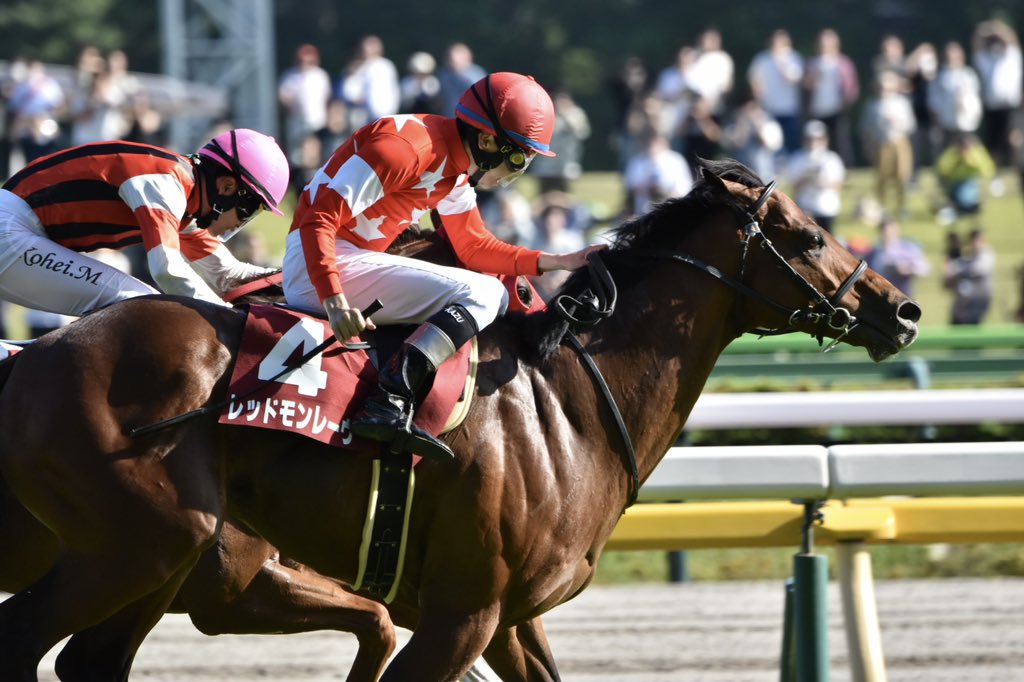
{"type": "Point", "coordinates": [318, 398]}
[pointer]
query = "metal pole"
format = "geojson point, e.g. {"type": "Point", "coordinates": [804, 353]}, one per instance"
{"type": "Point", "coordinates": [810, 605]}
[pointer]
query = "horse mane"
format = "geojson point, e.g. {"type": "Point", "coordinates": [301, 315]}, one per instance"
{"type": "Point", "coordinates": [658, 229]}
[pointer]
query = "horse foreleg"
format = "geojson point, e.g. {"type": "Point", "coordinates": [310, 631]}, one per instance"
{"type": "Point", "coordinates": [443, 647]}
{"type": "Point", "coordinates": [104, 652]}
{"type": "Point", "coordinates": [522, 653]}
{"type": "Point", "coordinates": [241, 586]}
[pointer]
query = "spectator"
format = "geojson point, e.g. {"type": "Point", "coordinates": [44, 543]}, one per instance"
{"type": "Point", "coordinates": [508, 217]}
{"type": "Point", "coordinates": [922, 66]}
{"type": "Point", "coordinates": [955, 97]}
{"type": "Point", "coordinates": [700, 135]}
{"type": "Point", "coordinates": [420, 88]}
{"type": "Point", "coordinates": [553, 233]}
{"type": "Point", "coordinates": [457, 75]}
{"type": "Point", "coordinates": [336, 130]}
{"type": "Point", "coordinates": [572, 127]}
{"type": "Point", "coordinates": [961, 170]}
{"type": "Point", "coordinates": [891, 59]}
{"type": "Point", "coordinates": [99, 112]}
{"type": "Point", "coordinates": [753, 138]}
{"type": "Point", "coordinates": [712, 75]}
{"type": "Point", "coordinates": [886, 127]}
{"type": "Point", "coordinates": [832, 88]}
{"type": "Point", "coordinates": [775, 75]}
{"type": "Point", "coordinates": [970, 278]}
{"type": "Point", "coordinates": [147, 123]}
{"type": "Point", "coordinates": [303, 91]}
{"type": "Point", "coordinates": [896, 258]}
{"type": "Point", "coordinates": [675, 89]}
{"type": "Point", "coordinates": [817, 174]}
{"type": "Point", "coordinates": [36, 103]}
{"type": "Point", "coordinates": [369, 84]}
{"type": "Point", "coordinates": [997, 57]}
{"type": "Point", "coordinates": [655, 174]}
{"type": "Point", "coordinates": [628, 89]}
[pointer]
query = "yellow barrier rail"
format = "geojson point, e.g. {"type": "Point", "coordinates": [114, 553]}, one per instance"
{"type": "Point", "coordinates": [703, 525]}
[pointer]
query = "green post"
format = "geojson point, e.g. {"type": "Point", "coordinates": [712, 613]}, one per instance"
{"type": "Point", "coordinates": [810, 573]}
{"type": "Point", "coordinates": [788, 668]}
{"type": "Point", "coordinates": [805, 656]}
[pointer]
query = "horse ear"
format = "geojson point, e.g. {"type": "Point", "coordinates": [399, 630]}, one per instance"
{"type": "Point", "coordinates": [712, 180]}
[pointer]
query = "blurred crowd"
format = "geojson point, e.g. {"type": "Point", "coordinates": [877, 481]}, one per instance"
{"type": "Point", "coordinates": [802, 118]}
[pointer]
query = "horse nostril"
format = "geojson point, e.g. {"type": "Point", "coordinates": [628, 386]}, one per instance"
{"type": "Point", "coordinates": [909, 311]}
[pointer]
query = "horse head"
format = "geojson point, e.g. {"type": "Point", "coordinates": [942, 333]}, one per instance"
{"type": "Point", "coordinates": [778, 271]}
{"type": "Point", "coordinates": [802, 279]}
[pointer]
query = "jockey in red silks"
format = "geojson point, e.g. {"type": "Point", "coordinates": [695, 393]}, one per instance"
{"type": "Point", "coordinates": [380, 182]}
{"type": "Point", "coordinates": [116, 194]}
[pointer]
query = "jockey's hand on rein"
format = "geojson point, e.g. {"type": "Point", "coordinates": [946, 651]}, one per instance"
{"type": "Point", "coordinates": [345, 320]}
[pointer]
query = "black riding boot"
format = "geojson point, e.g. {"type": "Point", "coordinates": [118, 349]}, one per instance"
{"type": "Point", "coordinates": [387, 414]}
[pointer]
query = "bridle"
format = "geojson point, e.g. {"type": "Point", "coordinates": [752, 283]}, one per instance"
{"type": "Point", "coordinates": [822, 314]}
{"type": "Point", "coordinates": [598, 303]}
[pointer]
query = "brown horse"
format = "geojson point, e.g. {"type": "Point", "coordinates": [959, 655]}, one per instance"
{"type": "Point", "coordinates": [511, 529]}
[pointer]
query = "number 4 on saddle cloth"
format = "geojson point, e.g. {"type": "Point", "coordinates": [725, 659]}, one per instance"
{"type": "Point", "coordinates": [317, 398]}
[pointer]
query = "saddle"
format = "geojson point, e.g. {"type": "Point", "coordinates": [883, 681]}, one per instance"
{"type": "Point", "coordinates": [317, 398]}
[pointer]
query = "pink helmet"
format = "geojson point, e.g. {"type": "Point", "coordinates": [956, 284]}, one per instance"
{"type": "Point", "coordinates": [512, 106]}
{"type": "Point", "coordinates": [256, 161]}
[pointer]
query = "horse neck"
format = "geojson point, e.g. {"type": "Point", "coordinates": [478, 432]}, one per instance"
{"type": "Point", "coordinates": [656, 358]}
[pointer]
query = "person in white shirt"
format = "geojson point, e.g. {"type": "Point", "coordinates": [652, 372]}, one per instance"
{"type": "Point", "coordinates": [712, 74]}
{"type": "Point", "coordinates": [817, 174]}
{"type": "Point", "coordinates": [303, 91]}
{"type": "Point", "coordinates": [996, 56]}
{"type": "Point", "coordinates": [955, 95]}
{"type": "Point", "coordinates": [655, 174]}
{"type": "Point", "coordinates": [370, 84]}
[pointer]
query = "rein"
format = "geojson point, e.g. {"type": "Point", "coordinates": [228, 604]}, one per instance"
{"type": "Point", "coordinates": [598, 303]}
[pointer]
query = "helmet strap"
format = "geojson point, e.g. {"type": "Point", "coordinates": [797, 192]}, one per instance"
{"type": "Point", "coordinates": [219, 203]}
{"type": "Point", "coordinates": [483, 159]}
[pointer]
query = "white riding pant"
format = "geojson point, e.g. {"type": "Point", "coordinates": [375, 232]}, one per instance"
{"type": "Point", "coordinates": [411, 290]}
{"type": "Point", "coordinates": [36, 272]}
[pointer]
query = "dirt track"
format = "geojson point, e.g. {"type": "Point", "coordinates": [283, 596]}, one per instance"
{"type": "Point", "coordinates": [940, 631]}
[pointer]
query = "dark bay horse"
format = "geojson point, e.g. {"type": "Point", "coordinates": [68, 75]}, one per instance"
{"type": "Point", "coordinates": [513, 528]}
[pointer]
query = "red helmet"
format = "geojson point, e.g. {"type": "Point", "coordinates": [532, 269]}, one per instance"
{"type": "Point", "coordinates": [510, 106]}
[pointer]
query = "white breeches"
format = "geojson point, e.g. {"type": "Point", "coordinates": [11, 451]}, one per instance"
{"type": "Point", "coordinates": [38, 273]}
{"type": "Point", "coordinates": [411, 290]}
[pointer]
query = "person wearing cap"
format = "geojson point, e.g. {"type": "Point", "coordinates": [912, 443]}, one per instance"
{"type": "Point", "coordinates": [389, 174]}
{"type": "Point", "coordinates": [817, 174]}
{"type": "Point", "coordinates": [116, 194]}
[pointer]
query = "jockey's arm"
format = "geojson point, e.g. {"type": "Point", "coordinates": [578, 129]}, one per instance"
{"type": "Point", "coordinates": [222, 271]}
{"type": "Point", "coordinates": [158, 202]}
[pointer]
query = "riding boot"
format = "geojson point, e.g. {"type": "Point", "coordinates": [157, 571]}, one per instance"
{"type": "Point", "coordinates": [387, 414]}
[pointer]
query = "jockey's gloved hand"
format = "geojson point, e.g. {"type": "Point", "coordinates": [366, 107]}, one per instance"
{"type": "Point", "coordinates": [345, 320]}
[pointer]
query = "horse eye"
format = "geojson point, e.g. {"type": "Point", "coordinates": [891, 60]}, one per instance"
{"type": "Point", "coordinates": [817, 239]}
